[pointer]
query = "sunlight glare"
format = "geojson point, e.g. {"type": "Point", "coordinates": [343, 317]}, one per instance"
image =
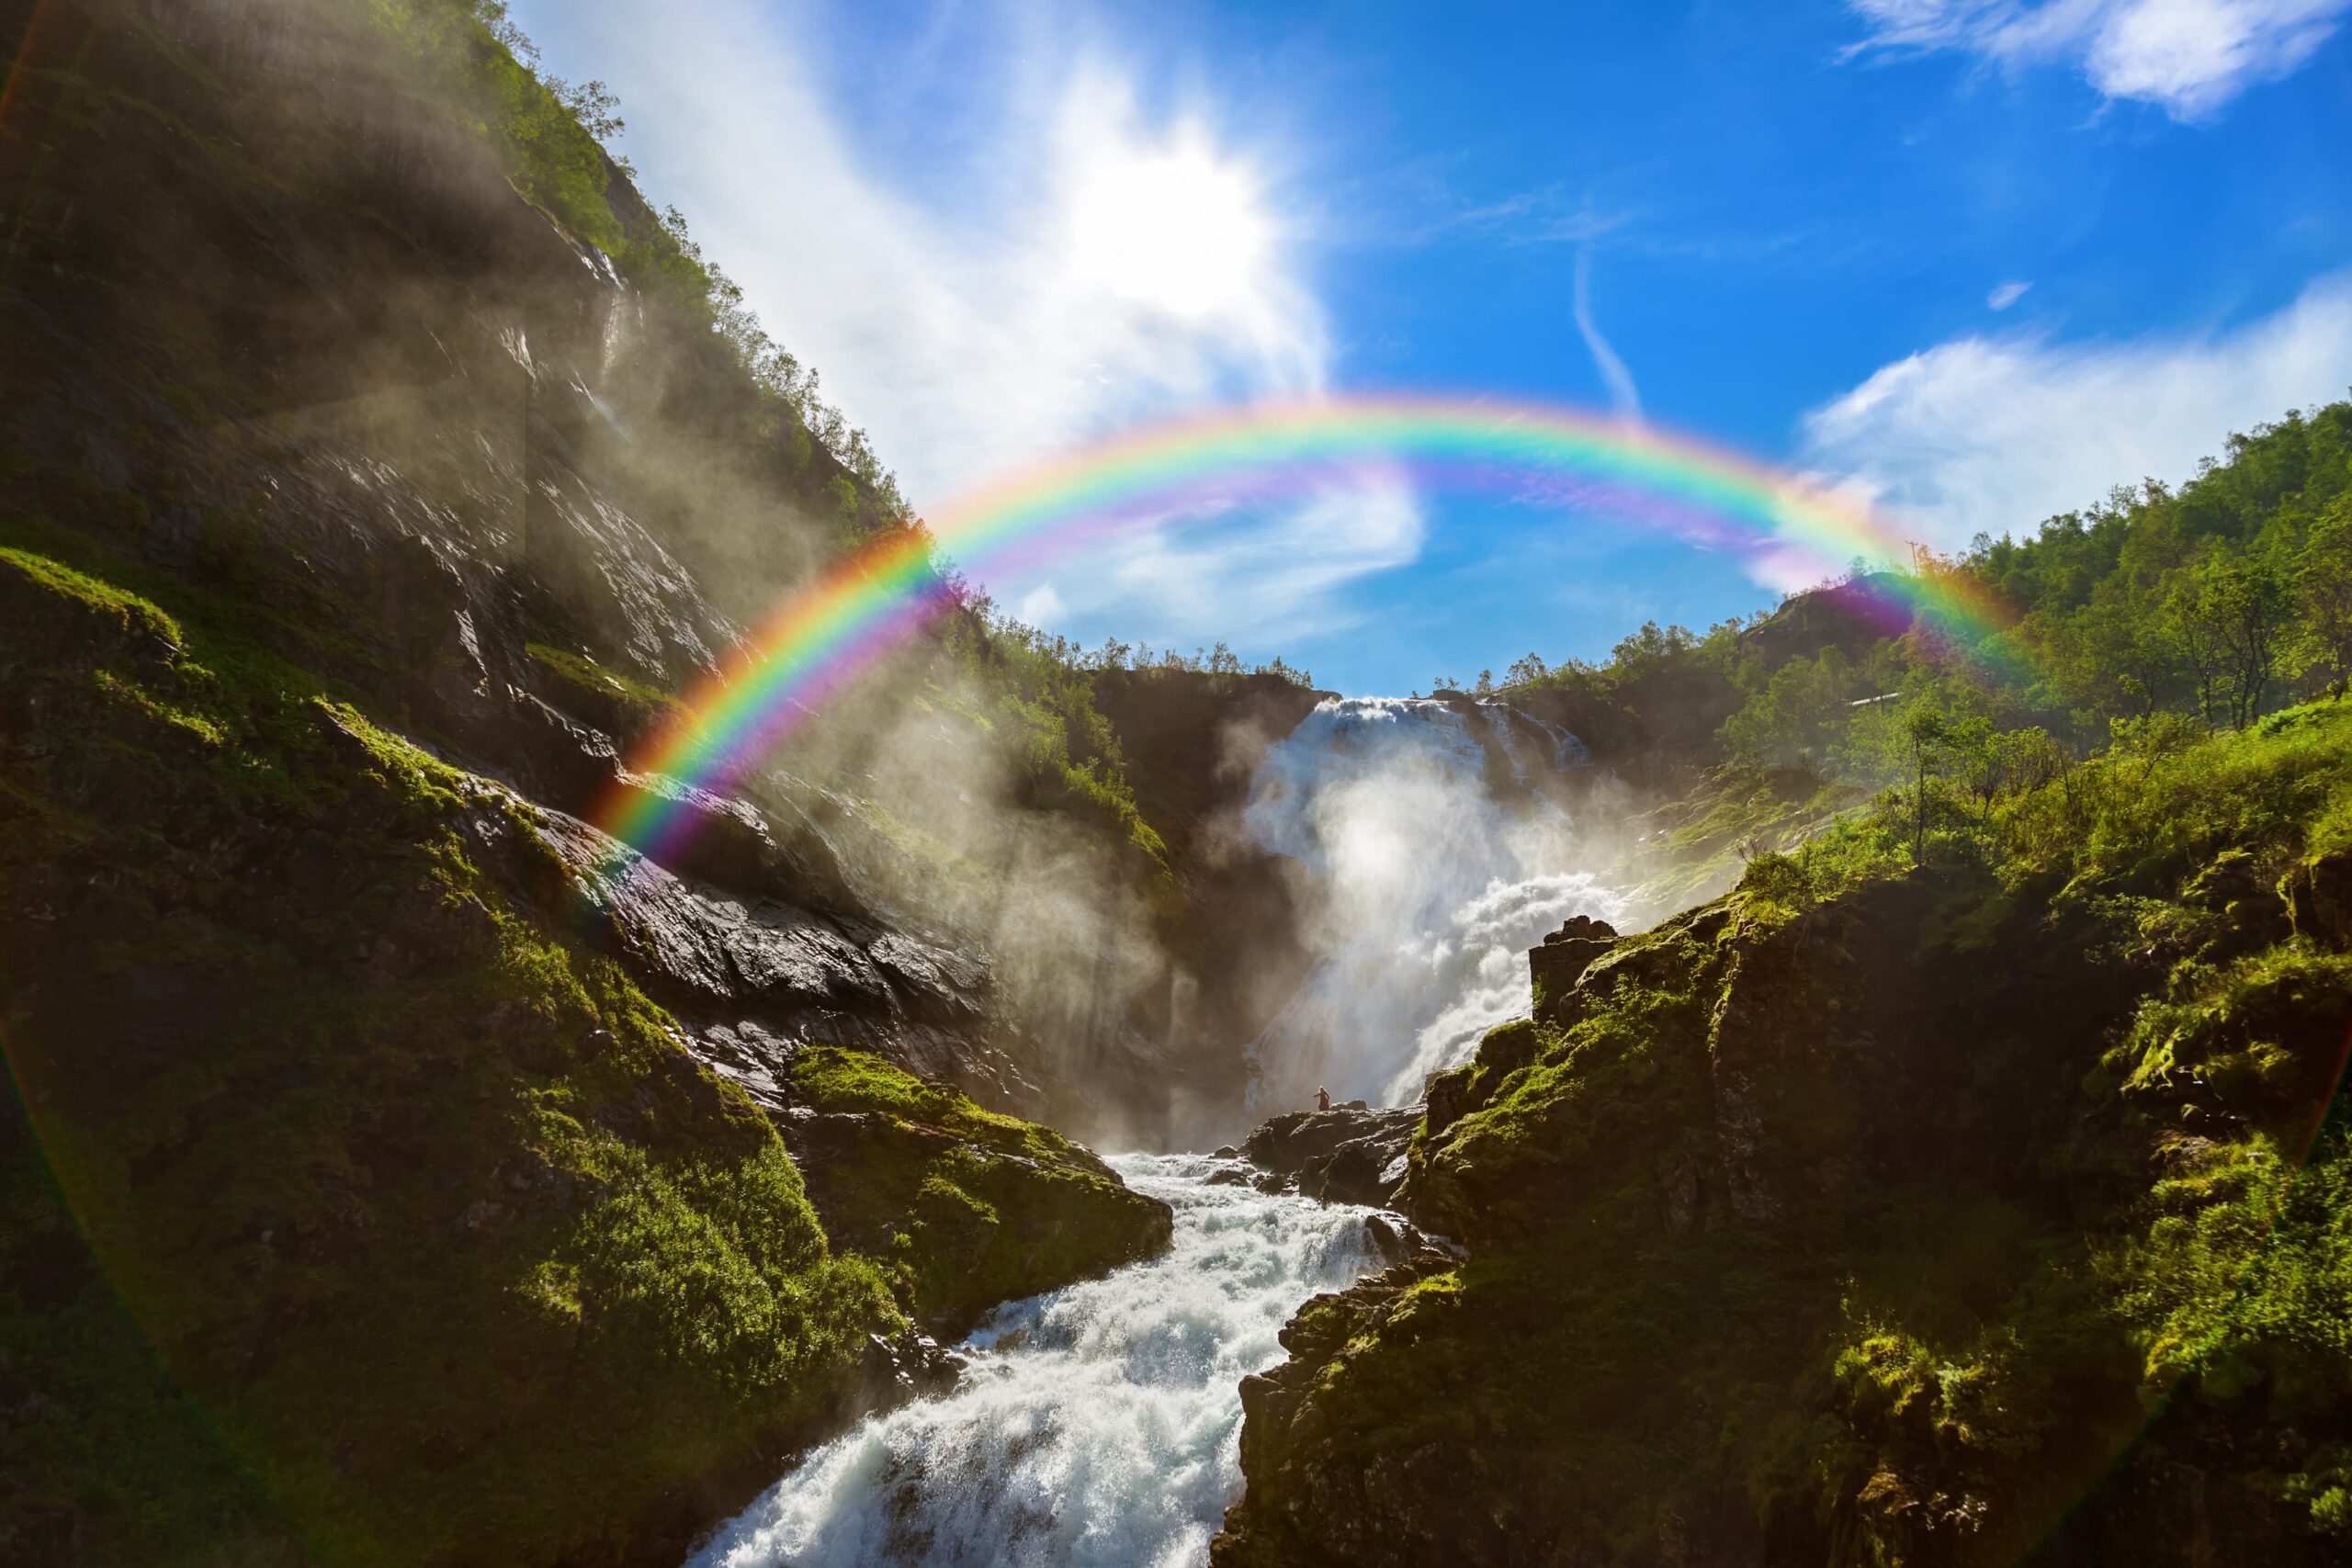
{"type": "Point", "coordinates": [1174, 229]}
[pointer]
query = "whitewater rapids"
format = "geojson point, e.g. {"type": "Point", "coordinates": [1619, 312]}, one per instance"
{"type": "Point", "coordinates": [1098, 1424]}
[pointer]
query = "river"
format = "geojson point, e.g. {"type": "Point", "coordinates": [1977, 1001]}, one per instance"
{"type": "Point", "coordinates": [1095, 1425]}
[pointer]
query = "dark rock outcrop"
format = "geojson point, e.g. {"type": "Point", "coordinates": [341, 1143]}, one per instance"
{"type": "Point", "coordinates": [360, 515]}
{"type": "Point", "coordinates": [987, 1212]}
{"type": "Point", "coordinates": [1555, 968]}
{"type": "Point", "coordinates": [1341, 1156]}
{"type": "Point", "coordinates": [1716, 1229]}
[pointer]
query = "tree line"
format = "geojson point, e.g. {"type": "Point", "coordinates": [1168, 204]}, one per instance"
{"type": "Point", "coordinates": [2137, 625]}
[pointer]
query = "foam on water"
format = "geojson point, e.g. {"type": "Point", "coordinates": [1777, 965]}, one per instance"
{"type": "Point", "coordinates": [1427, 889]}
{"type": "Point", "coordinates": [1096, 1424]}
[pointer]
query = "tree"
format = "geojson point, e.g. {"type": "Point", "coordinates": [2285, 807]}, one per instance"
{"type": "Point", "coordinates": [2323, 592]}
{"type": "Point", "coordinates": [1527, 672]}
{"type": "Point", "coordinates": [2231, 608]}
{"type": "Point", "coordinates": [1798, 717]}
{"type": "Point", "coordinates": [2120, 655]}
{"type": "Point", "coordinates": [595, 105]}
{"type": "Point", "coordinates": [1924, 732]}
{"type": "Point", "coordinates": [1902, 744]}
{"type": "Point", "coordinates": [1980, 759]}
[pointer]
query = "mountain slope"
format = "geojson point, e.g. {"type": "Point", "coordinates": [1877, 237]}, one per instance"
{"type": "Point", "coordinates": [398, 1170]}
{"type": "Point", "coordinates": [1879, 1215]}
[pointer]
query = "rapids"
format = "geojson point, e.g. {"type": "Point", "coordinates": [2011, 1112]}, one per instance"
{"type": "Point", "coordinates": [1097, 1424]}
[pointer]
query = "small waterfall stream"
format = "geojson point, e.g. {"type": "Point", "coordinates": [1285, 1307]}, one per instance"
{"type": "Point", "coordinates": [1096, 1427]}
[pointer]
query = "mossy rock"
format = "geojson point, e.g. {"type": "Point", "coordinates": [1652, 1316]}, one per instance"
{"type": "Point", "coordinates": [963, 1207]}
{"type": "Point", "coordinates": [350, 1198]}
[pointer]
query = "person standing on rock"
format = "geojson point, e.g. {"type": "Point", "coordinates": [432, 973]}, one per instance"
{"type": "Point", "coordinates": [1322, 1098]}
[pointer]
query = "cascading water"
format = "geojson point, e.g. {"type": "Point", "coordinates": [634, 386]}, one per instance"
{"type": "Point", "coordinates": [1097, 1424]}
{"type": "Point", "coordinates": [1431, 887]}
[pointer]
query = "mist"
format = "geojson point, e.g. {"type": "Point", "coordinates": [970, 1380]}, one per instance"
{"type": "Point", "coordinates": [1426, 884]}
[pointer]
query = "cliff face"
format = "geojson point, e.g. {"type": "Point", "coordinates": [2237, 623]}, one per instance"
{"type": "Point", "coordinates": [398, 1170]}
{"type": "Point", "coordinates": [1944, 1218]}
{"type": "Point", "coordinates": [1231, 924]}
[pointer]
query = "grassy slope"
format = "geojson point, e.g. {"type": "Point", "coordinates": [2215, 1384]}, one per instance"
{"type": "Point", "coordinates": [1877, 1213]}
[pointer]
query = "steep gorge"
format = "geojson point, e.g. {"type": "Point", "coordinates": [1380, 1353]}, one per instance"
{"type": "Point", "coordinates": [401, 1170]}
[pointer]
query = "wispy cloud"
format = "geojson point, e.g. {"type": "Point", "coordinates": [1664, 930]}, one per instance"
{"type": "Point", "coordinates": [976, 323]}
{"type": "Point", "coordinates": [1622, 395]}
{"type": "Point", "coordinates": [1994, 433]}
{"type": "Point", "coordinates": [1420, 204]}
{"type": "Point", "coordinates": [2189, 56]}
{"type": "Point", "coordinates": [2006, 295]}
{"type": "Point", "coordinates": [1190, 579]}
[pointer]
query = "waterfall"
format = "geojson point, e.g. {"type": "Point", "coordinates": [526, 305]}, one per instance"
{"type": "Point", "coordinates": [1430, 882]}
{"type": "Point", "coordinates": [1095, 1425]}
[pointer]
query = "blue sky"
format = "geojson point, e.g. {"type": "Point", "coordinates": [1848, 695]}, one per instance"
{"type": "Point", "coordinates": [1974, 261]}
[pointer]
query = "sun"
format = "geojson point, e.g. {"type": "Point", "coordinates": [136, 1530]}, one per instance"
{"type": "Point", "coordinates": [1175, 229]}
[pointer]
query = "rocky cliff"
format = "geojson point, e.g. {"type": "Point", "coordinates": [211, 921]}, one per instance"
{"type": "Point", "coordinates": [398, 1170]}
{"type": "Point", "coordinates": [1952, 1216]}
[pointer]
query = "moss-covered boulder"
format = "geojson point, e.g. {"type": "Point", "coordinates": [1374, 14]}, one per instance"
{"type": "Point", "coordinates": [965, 1208]}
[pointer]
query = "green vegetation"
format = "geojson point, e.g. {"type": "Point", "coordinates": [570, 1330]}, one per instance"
{"type": "Point", "coordinates": [626, 707]}
{"type": "Point", "coordinates": [965, 1208]}
{"type": "Point", "coordinates": [1894, 1212]}
{"type": "Point", "coordinates": [348, 1200]}
{"type": "Point", "coordinates": [2213, 604]}
{"type": "Point", "coordinates": [128, 611]}
{"type": "Point", "coordinates": [1041, 705]}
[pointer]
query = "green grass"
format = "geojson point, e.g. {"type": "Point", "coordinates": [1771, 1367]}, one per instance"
{"type": "Point", "coordinates": [637, 706]}
{"type": "Point", "coordinates": [102, 600]}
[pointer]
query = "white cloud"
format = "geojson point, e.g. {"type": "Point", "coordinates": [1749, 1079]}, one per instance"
{"type": "Point", "coordinates": [1041, 606]}
{"type": "Point", "coordinates": [1071, 264]}
{"type": "Point", "coordinates": [1995, 433]}
{"type": "Point", "coordinates": [2006, 295]}
{"type": "Point", "coordinates": [1196, 577]}
{"type": "Point", "coordinates": [2190, 56]}
{"type": "Point", "coordinates": [1622, 395]}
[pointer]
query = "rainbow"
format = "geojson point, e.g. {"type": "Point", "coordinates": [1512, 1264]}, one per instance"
{"type": "Point", "coordinates": [881, 597]}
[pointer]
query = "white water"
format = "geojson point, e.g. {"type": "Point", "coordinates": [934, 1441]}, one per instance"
{"type": "Point", "coordinates": [1431, 890]}
{"type": "Point", "coordinates": [1097, 1424]}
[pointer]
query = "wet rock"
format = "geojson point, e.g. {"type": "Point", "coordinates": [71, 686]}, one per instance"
{"type": "Point", "coordinates": [936, 983]}
{"type": "Point", "coordinates": [728, 841]}
{"type": "Point", "coordinates": [1345, 1155]}
{"type": "Point", "coordinates": [723, 947]}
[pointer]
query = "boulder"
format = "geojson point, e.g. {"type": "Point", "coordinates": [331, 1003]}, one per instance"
{"type": "Point", "coordinates": [1344, 1156]}
{"type": "Point", "coordinates": [1555, 968]}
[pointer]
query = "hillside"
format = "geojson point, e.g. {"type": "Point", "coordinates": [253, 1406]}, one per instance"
{"type": "Point", "coordinates": [397, 1169]}
{"type": "Point", "coordinates": [1949, 1203]}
